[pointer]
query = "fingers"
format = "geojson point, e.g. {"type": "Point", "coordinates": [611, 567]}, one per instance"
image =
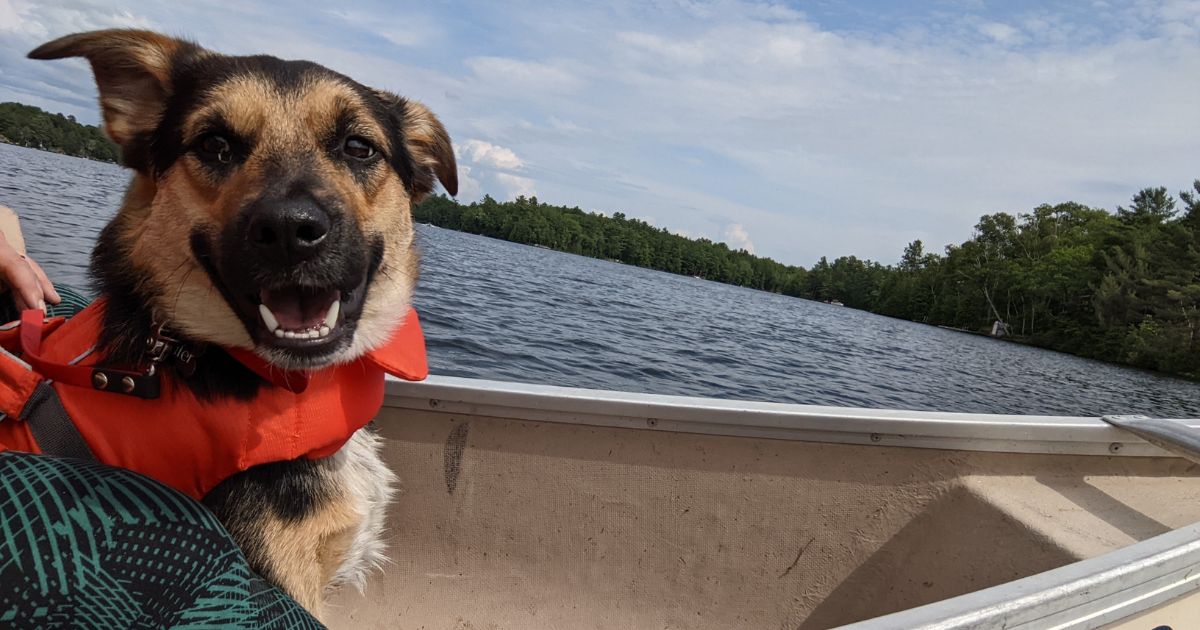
{"type": "Point", "coordinates": [47, 287]}
{"type": "Point", "coordinates": [27, 290]}
{"type": "Point", "coordinates": [30, 286]}
{"type": "Point", "coordinates": [18, 274]}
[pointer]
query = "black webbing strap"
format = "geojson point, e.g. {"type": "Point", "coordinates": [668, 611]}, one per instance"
{"type": "Point", "coordinates": [52, 428]}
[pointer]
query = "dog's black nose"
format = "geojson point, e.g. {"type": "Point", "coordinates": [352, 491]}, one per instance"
{"type": "Point", "coordinates": [288, 230]}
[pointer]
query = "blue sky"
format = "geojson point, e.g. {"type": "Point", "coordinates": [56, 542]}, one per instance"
{"type": "Point", "coordinates": [796, 130]}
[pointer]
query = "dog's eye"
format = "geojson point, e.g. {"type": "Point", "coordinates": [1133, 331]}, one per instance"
{"type": "Point", "coordinates": [358, 148]}
{"type": "Point", "coordinates": [215, 148]}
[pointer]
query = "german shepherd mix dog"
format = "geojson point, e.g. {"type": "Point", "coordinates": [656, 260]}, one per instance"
{"type": "Point", "coordinates": [270, 210]}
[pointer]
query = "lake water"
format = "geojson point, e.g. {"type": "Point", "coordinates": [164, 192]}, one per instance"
{"type": "Point", "coordinates": [503, 311]}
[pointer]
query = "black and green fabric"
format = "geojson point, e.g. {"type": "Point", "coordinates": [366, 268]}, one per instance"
{"type": "Point", "coordinates": [73, 301]}
{"type": "Point", "coordinates": [83, 545]}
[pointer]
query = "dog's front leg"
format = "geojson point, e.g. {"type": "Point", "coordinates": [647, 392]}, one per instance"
{"type": "Point", "coordinates": [306, 526]}
{"type": "Point", "coordinates": [303, 556]}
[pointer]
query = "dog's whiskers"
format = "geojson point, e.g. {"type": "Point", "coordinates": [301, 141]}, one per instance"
{"type": "Point", "coordinates": [182, 282]}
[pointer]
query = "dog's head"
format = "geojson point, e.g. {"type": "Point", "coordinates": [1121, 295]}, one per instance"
{"type": "Point", "coordinates": [271, 206]}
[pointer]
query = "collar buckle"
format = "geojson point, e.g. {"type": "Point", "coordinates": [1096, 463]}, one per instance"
{"type": "Point", "coordinates": [161, 347]}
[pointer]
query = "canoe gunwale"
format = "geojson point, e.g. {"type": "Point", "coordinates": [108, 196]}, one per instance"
{"type": "Point", "coordinates": [1084, 594]}
{"type": "Point", "coordinates": [1063, 435]}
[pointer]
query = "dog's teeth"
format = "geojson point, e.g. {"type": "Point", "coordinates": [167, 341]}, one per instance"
{"type": "Point", "coordinates": [316, 332]}
{"type": "Point", "coordinates": [332, 316]}
{"type": "Point", "coordinates": [268, 318]}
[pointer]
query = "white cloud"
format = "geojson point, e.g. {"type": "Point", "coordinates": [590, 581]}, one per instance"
{"type": "Point", "coordinates": [408, 31]}
{"type": "Point", "coordinates": [488, 154]}
{"type": "Point", "coordinates": [53, 20]}
{"type": "Point", "coordinates": [1000, 33]}
{"type": "Point", "coordinates": [565, 126]}
{"type": "Point", "coordinates": [10, 17]}
{"type": "Point", "coordinates": [1181, 18]}
{"type": "Point", "coordinates": [473, 183]}
{"type": "Point", "coordinates": [486, 168]}
{"type": "Point", "coordinates": [516, 185]}
{"type": "Point", "coordinates": [737, 238]}
{"type": "Point", "coordinates": [516, 74]}
{"type": "Point", "coordinates": [469, 188]}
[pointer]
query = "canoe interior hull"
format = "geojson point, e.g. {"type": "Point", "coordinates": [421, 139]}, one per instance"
{"type": "Point", "coordinates": [512, 524]}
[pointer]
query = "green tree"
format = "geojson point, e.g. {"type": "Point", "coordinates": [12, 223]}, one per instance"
{"type": "Point", "coordinates": [30, 126]}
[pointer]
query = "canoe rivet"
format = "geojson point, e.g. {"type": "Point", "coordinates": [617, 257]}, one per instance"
{"type": "Point", "coordinates": [651, 422]}
{"type": "Point", "coordinates": [127, 384]}
{"type": "Point", "coordinates": [433, 403]}
{"type": "Point", "coordinates": [99, 380]}
{"type": "Point", "coordinates": [1115, 447]}
{"type": "Point", "coordinates": [875, 437]}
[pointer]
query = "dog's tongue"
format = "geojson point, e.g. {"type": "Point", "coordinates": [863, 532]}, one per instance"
{"type": "Point", "coordinates": [299, 308]}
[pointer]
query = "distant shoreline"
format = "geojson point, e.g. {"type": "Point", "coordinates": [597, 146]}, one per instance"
{"type": "Point", "coordinates": [34, 128]}
{"type": "Point", "coordinates": [10, 143]}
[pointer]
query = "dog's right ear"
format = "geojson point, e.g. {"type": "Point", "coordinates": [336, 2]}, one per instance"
{"type": "Point", "coordinates": [133, 72]}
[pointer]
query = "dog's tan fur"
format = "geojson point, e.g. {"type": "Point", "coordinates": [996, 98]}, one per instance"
{"type": "Point", "coordinates": [163, 210]}
{"type": "Point", "coordinates": [308, 554]}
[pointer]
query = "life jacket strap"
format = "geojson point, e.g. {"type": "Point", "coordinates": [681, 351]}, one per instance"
{"type": "Point", "coordinates": [51, 427]}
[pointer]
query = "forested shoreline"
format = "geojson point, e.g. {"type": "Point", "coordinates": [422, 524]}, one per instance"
{"type": "Point", "coordinates": [1120, 286]}
{"type": "Point", "coordinates": [29, 126]}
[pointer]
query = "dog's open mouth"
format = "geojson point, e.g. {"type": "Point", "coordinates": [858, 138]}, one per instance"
{"type": "Point", "coordinates": [301, 314]}
{"type": "Point", "coordinates": [306, 321]}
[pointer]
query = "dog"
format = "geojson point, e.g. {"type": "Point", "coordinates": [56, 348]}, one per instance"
{"type": "Point", "coordinates": [269, 211]}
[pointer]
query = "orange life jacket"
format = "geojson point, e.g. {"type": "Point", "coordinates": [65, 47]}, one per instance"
{"type": "Point", "coordinates": [185, 442]}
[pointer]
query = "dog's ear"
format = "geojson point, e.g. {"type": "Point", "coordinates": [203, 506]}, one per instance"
{"type": "Point", "coordinates": [427, 143]}
{"type": "Point", "coordinates": [133, 72]}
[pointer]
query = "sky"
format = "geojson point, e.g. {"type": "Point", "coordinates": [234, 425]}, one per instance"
{"type": "Point", "coordinates": [793, 130]}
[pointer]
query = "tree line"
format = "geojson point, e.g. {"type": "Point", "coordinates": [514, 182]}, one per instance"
{"type": "Point", "coordinates": [619, 238]}
{"type": "Point", "coordinates": [30, 126]}
{"type": "Point", "coordinates": [1119, 286]}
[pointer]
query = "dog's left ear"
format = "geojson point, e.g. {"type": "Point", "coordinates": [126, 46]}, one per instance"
{"type": "Point", "coordinates": [133, 72]}
{"type": "Point", "coordinates": [427, 142]}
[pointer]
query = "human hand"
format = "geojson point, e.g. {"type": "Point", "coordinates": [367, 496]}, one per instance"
{"type": "Point", "coordinates": [30, 286]}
